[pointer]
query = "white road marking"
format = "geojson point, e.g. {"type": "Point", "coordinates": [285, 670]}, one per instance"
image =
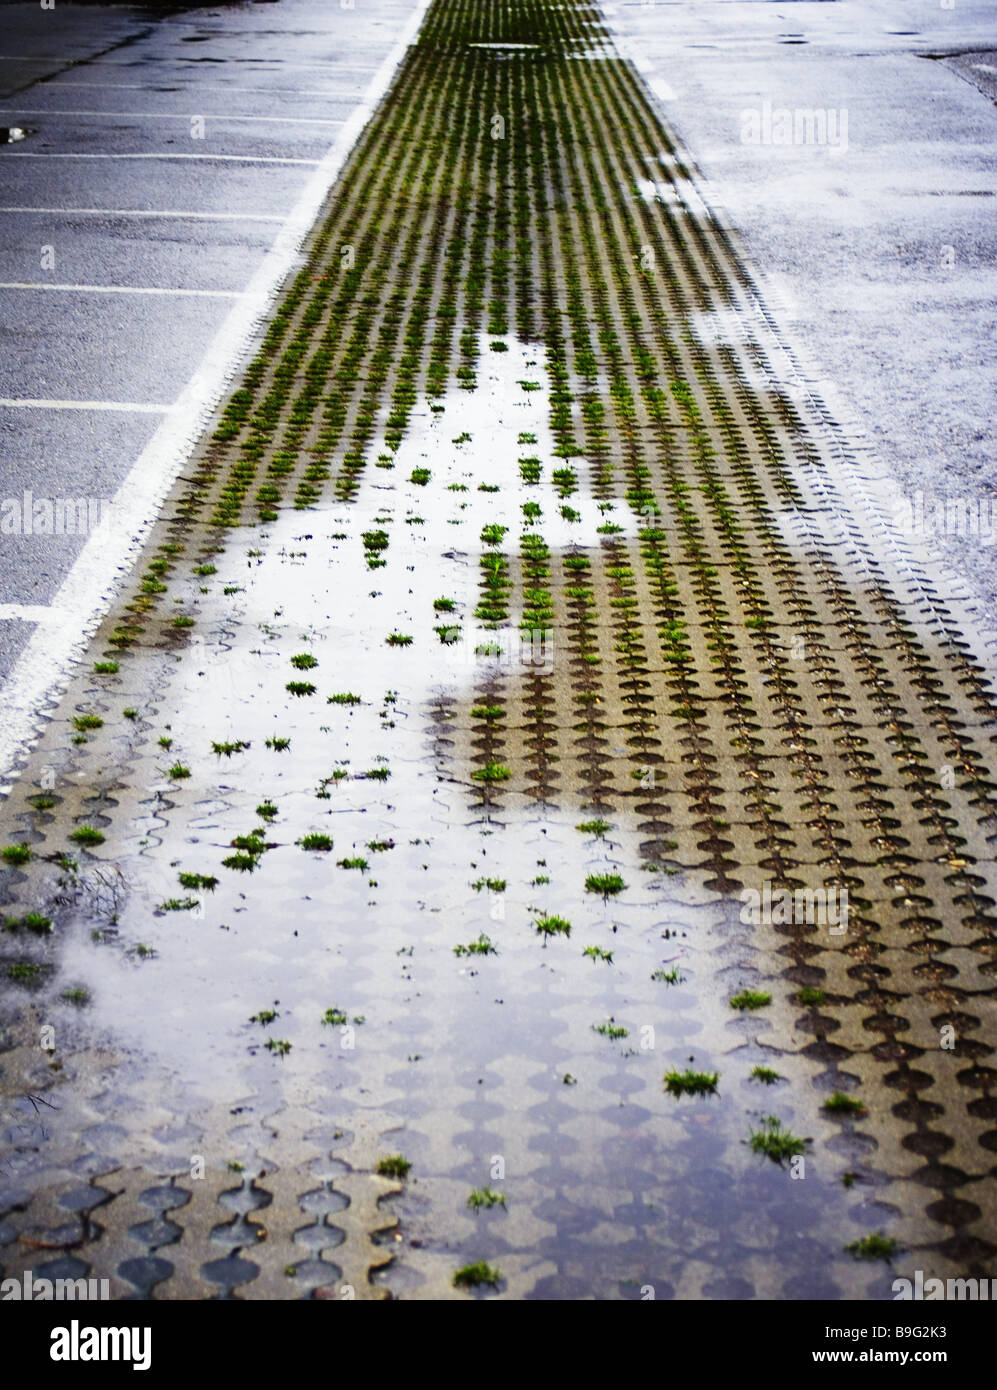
{"type": "Point", "coordinates": [279, 64]}
{"type": "Point", "coordinates": [348, 96]}
{"type": "Point", "coordinates": [173, 116]}
{"type": "Point", "coordinates": [645, 66]}
{"type": "Point", "coordinates": [29, 613]}
{"type": "Point", "coordinates": [227, 158]}
{"type": "Point", "coordinates": [147, 212]}
{"type": "Point", "coordinates": [663, 90]}
{"type": "Point", "coordinates": [27, 403]}
{"type": "Point", "coordinates": [118, 289]}
{"type": "Point", "coordinates": [41, 672]}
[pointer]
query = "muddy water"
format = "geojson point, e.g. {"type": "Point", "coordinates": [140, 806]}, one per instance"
{"type": "Point", "coordinates": [532, 1066]}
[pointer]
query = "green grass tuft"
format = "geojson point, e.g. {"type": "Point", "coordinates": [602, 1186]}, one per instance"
{"type": "Point", "coordinates": [840, 1104]}
{"type": "Point", "coordinates": [750, 999]}
{"type": "Point", "coordinates": [225, 750]}
{"type": "Point", "coordinates": [482, 947]}
{"type": "Point", "coordinates": [31, 921]}
{"type": "Point", "coordinates": [205, 881]}
{"type": "Point", "coordinates": [606, 884]}
{"type": "Point", "coordinates": [87, 835]}
{"type": "Point", "coordinates": [873, 1247]}
{"type": "Point", "coordinates": [774, 1141]}
{"type": "Point", "coordinates": [472, 1276]}
{"type": "Point", "coordinates": [809, 995]}
{"type": "Point", "coordinates": [485, 1197]}
{"type": "Point", "coordinates": [597, 953]}
{"type": "Point", "coordinates": [241, 863]}
{"type": "Point", "coordinates": [491, 772]}
{"type": "Point", "coordinates": [766, 1075]}
{"type": "Point", "coordinates": [394, 1166]}
{"type": "Point", "coordinates": [691, 1083]}
{"type": "Point", "coordinates": [317, 842]}
{"type": "Point", "coordinates": [594, 827]}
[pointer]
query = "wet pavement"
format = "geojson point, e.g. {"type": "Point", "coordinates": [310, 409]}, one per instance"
{"type": "Point", "coordinates": [513, 629]}
{"type": "Point", "coordinates": [173, 162]}
{"type": "Point", "coordinates": [874, 249]}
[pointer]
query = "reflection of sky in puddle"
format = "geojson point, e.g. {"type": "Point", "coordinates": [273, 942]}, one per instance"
{"type": "Point", "coordinates": [605, 1174]}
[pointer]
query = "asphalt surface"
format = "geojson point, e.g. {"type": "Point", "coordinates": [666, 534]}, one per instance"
{"type": "Point", "coordinates": [163, 159]}
{"type": "Point", "coordinates": [879, 260]}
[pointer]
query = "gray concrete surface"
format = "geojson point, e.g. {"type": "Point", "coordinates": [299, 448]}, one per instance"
{"type": "Point", "coordinates": [165, 154]}
{"type": "Point", "coordinates": [879, 259]}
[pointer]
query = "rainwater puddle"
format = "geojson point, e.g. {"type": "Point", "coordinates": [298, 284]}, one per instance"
{"type": "Point", "coordinates": [496, 985]}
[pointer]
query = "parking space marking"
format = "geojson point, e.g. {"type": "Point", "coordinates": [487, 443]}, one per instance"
{"type": "Point", "coordinates": [119, 289]}
{"type": "Point", "coordinates": [40, 403]}
{"type": "Point", "coordinates": [350, 95]}
{"type": "Point", "coordinates": [150, 212]}
{"type": "Point", "coordinates": [227, 158]}
{"type": "Point", "coordinates": [172, 116]}
{"type": "Point", "coordinates": [279, 65]}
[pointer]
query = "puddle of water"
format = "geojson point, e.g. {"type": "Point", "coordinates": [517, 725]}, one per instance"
{"type": "Point", "coordinates": [541, 1051]}
{"type": "Point", "coordinates": [338, 612]}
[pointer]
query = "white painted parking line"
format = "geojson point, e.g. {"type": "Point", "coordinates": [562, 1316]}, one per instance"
{"type": "Point", "coordinates": [226, 158]}
{"type": "Point", "coordinates": [172, 116]}
{"type": "Point", "coordinates": [119, 289]}
{"type": "Point", "coordinates": [349, 94]}
{"type": "Point", "coordinates": [278, 64]}
{"type": "Point", "coordinates": [136, 407]}
{"type": "Point", "coordinates": [149, 212]}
